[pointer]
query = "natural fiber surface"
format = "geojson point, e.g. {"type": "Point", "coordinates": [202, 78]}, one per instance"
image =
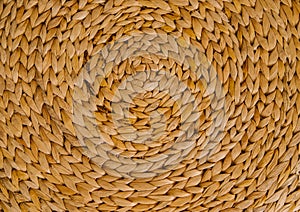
{"type": "Point", "coordinates": [46, 64]}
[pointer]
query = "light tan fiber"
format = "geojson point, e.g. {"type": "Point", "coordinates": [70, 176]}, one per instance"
{"type": "Point", "coordinates": [195, 103]}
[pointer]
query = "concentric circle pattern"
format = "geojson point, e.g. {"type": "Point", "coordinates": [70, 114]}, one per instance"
{"type": "Point", "coordinates": [154, 100]}
{"type": "Point", "coordinates": [149, 105]}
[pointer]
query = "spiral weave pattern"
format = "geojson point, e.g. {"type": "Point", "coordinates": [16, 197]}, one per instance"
{"type": "Point", "coordinates": [216, 128]}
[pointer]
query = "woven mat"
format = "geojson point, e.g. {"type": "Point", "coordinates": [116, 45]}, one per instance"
{"type": "Point", "coordinates": [124, 105]}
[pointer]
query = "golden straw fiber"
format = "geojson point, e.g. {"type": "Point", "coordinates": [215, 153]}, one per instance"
{"type": "Point", "coordinates": [149, 105]}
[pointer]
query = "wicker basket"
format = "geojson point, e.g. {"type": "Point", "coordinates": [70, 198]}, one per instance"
{"type": "Point", "coordinates": [137, 105]}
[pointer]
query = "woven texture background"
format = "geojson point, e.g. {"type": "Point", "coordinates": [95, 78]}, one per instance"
{"type": "Point", "coordinates": [253, 45]}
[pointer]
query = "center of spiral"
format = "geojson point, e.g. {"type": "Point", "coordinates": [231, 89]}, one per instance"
{"type": "Point", "coordinates": [143, 113]}
{"type": "Point", "coordinates": [140, 106]}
